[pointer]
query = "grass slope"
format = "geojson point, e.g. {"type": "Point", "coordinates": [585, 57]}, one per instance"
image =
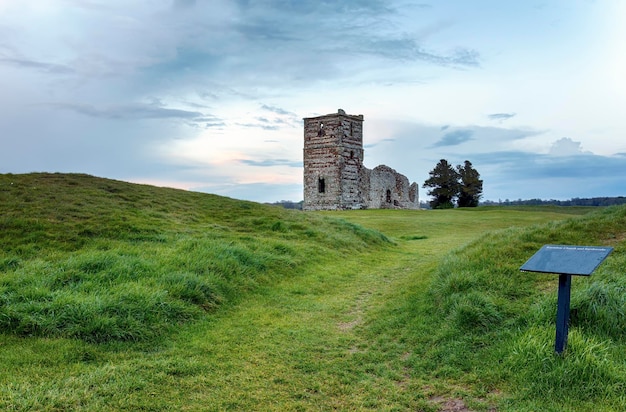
{"type": "Point", "coordinates": [499, 323]}
{"type": "Point", "coordinates": [481, 330]}
{"type": "Point", "coordinates": [315, 313]}
{"type": "Point", "coordinates": [103, 260]}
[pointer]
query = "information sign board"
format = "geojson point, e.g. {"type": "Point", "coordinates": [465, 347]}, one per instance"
{"type": "Point", "coordinates": [567, 260]}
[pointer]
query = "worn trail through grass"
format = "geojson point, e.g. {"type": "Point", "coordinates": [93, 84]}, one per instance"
{"type": "Point", "coordinates": [302, 343]}
{"type": "Point", "coordinates": [315, 340]}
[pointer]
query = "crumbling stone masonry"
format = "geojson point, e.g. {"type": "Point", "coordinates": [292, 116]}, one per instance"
{"type": "Point", "coordinates": [334, 175]}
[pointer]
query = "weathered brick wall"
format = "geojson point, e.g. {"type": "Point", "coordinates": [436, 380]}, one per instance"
{"type": "Point", "coordinates": [334, 175]}
{"type": "Point", "coordinates": [333, 154]}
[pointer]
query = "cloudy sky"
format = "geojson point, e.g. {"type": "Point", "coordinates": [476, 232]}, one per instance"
{"type": "Point", "coordinates": [209, 95]}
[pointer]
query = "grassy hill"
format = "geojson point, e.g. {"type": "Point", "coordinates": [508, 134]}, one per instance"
{"type": "Point", "coordinates": [115, 296]}
{"type": "Point", "coordinates": [103, 260]}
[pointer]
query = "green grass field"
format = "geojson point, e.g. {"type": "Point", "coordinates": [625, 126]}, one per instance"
{"type": "Point", "coordinates": [115, 296]}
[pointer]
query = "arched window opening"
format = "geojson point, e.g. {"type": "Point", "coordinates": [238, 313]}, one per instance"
{"type": "Point", "coordinates": [351, 154]}
{"type": "Point", "coordinates": [388, 196]}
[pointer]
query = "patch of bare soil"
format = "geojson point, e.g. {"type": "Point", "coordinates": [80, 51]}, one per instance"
{"type": "Point", "coordinates": [356, 312]}
{"type": "Point", "coordinates": [445, 404]}
{"type": "Point", "coordinates": [450, 405]}
{"type": "Point", "coordinates": [616, 239]}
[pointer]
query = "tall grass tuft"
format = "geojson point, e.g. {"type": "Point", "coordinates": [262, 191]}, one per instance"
{"type": "Point", "coordinates": [589, 372]}
{"type": "Point", "coordinates": [601, 309]}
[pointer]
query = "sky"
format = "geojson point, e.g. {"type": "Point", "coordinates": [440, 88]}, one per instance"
{"type": "Point", "coordinates": [210, 95]}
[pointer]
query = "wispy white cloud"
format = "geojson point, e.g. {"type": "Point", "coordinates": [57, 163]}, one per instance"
{"type": "Point", "coordinates": [278, 110]}
{"type": "Point", "coordinates": [272, 162]}
{"type": "Point", "coordinates": [46, 67]}
{"type": "Point", "coordinates": [135, 111]}
{"type": "Point", "coordinates": [259, 126]}
{"type": "Point", "coordinates": [566, 147]}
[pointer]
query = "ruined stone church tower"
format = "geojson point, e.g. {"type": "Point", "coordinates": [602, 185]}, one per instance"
{"type": "Point", "coordinates": [334, 175]}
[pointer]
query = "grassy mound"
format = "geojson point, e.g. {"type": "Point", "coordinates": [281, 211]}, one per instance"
{"type": "Point", "coordinates": [103, 260]}
{"type": "Point", "coordinates": [499, 322]}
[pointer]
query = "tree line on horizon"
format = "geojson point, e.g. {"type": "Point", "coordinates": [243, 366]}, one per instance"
{"type": "Point", "coordinates": [576, 201]}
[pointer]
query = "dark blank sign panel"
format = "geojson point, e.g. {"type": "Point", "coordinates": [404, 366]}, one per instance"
{"type": "Point", "coordinates": [567, 260]}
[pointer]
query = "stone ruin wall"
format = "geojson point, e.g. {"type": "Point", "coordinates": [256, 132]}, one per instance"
{"type": "Point", "coordinates": [333, 152]}
{"type": "Point", "coordinates": [334, 175]}
{"type": "Point", "coordinates": [388, 189]}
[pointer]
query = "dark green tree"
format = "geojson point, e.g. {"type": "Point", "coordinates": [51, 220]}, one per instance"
{"type": "Point", "coordinates": [444, 185]}
{"type": "Point", "coordinates": [471, 186]}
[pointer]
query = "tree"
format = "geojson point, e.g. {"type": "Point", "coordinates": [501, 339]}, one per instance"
{"type": "Point", "coordinates": [447, 184]}
{"type": "Point", "coordinates": [444, 184]}
{"type": "Point", "coordinates": [471, 186]}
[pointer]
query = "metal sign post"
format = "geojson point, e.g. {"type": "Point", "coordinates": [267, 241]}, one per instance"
{"type": "Point", "coordinates": [562, 312]}
{"type": "Point", "coordinates": [565, 261]}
